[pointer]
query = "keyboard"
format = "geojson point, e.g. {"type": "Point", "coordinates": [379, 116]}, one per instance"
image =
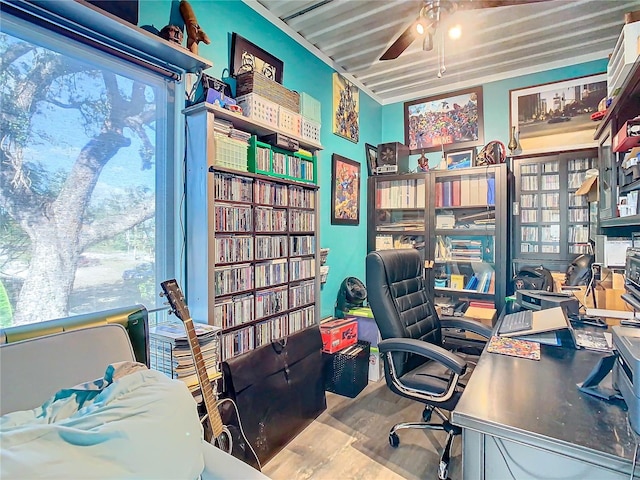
{"type": "Point", "coordinates": [516, 322]}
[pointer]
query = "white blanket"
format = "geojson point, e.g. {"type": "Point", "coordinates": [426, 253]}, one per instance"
{"type": "Point", "coordinates": [134, 423]}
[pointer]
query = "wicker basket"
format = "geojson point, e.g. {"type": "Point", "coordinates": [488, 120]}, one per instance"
{"type": "Point", "coordinates": [255, 82]}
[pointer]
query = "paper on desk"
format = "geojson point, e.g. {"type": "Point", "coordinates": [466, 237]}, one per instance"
{"type": "Point", "coordinates": [600, 341]}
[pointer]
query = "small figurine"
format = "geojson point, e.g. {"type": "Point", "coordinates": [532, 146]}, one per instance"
{"type": "Point", "coordinates": [172, 33]}
{"type": "Point", "coordinates": [195, 34]}
{"type": "Point", "coordinates": [423, 163]}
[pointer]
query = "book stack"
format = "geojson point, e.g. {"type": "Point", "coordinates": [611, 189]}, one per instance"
{"type": "Point", "coordinates": [170, 352]}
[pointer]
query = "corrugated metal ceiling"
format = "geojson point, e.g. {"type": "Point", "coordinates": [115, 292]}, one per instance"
{"type": "Point", "coordinates": [496, 43]}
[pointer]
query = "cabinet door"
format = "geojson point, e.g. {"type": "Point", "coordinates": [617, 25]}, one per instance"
{"type": "Point", "coordinates": [538, 193]}
{"type": "Point", "coordinates": [607, 178]}
{"type": "Point", "coordinates": [397, 216]}
{"type": "Point", "coordinates": [468, 236]}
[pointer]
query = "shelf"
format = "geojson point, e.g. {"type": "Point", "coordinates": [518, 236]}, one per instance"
{"type": "Point", "coordinates": [250, 125]}
{"type": "Point", "coordinates": [90, 24]}
{"type": "Point", "coordinates": [630, 187]}
{"type": "Point", "coordinates": [475, 232]}
{"type": "Point", "coordinates": [631, 220]}
{"type": "Point", "coordinates": [467, 207]}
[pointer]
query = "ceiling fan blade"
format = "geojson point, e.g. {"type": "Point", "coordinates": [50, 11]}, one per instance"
{"type": "Point", "coordinates": [471, 4]}
{"type": "Point", "coordinates": [402, 43]}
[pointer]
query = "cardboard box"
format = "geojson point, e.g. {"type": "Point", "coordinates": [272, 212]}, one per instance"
{"type": "Point", "coordinates": [376, 365]}
{"type": "Point", "coordinates": [367, 327]}
{"type": "Point", "coordinates": [338, 334]}
{"type": "Point", "coordinates": [485, 316]}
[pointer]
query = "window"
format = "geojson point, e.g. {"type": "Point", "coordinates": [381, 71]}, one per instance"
{"type": "Point", "coordinates": [86, 152]}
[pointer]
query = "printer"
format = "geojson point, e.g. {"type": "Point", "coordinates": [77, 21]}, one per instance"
{"type": "Point", "coordinates": [541, 300]}
{"type": "Point", "coordinates": [626, 370]}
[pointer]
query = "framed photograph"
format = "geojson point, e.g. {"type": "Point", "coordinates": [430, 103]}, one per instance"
{"type": "Point", "coordinates": [461, 158]}
{"type": "Point", "coordinates": [247, 57]}
{"type": "Point", "coordinates": [371, 154]}
{"type": "Point", "coordinates": [557, 116]}
{"type": "Point", "coordinates": [345, 191]}
{"type": "Point", "coordinates": [453, 120]}
{"type": "Point", "coordinates": [346, 108]}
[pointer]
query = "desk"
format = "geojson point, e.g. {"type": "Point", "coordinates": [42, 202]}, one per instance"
{"type": "Point", "coordinates": [525, 419]}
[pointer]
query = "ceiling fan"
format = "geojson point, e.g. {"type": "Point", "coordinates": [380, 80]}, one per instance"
{"type": "Point", "coordinates": [431, 14]}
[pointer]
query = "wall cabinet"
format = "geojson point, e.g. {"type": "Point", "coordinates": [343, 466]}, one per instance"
{"type": "Point", "coordinates": [612, 183]}
{"type": "Point", "coordinates": [251, 242]}
{"type": "Point", "coordinates": [550, 222]}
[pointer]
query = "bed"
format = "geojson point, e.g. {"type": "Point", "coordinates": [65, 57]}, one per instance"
{"type": "Point", "coordinates": [36, 376]}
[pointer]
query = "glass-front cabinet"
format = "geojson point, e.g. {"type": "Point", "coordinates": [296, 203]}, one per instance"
{"type": "Point", "coordinates": [468, 235]}
{"type": "Point", "coordinates": [551, 222]}
{"type": "Point", "coordinates": [397, 219]}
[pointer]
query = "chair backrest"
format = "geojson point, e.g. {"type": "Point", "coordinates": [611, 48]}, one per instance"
{"type": "Point", "coordinates": [399, 301]}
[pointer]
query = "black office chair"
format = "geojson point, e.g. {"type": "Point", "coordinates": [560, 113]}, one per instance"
{"type": "Point", "coordinates": [417, 363]}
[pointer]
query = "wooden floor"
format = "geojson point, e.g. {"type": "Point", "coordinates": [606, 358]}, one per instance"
{"type": "Point", "coordinates": [350, 441]}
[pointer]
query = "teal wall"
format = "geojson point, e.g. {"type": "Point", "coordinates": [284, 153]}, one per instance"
{"type": "Point", "coordinates": [495, 96]}
{"type": "Point", "coordinates": [303, 72]}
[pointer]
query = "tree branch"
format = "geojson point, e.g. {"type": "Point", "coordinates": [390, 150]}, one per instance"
{"type": "Point", "coordinates": [99, 231]}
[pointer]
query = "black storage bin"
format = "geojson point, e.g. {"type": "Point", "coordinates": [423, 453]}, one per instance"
{"type": "Point", "coordinates": [278, 389]}
{"type": "Point", "coordinates": [347, 374]}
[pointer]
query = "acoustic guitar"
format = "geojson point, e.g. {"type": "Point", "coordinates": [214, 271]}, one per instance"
{"type": "Point", "coordinates": [228, 436]}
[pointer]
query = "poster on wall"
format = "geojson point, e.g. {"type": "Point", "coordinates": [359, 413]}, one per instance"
{"type": "Point", "coordinates": [346, 108]}
{"type": "Point", "coordinates": [557, 116]}
{"type": "Point", "coordinates": [450, 120]}
{"type": "Point", "coordinates": [345, 191]}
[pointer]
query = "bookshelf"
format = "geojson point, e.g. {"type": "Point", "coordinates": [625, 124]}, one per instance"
{"type": "Point", "coordinates": [467, 228]}
{"type": "Point", "coordinates": [252, 254]}
{"type": "Point", "coordinates": [397, 216]}
{"type": "Point", "coordinates": [551, 222]}
{"type": "Point", "coordinates": [456, 219]}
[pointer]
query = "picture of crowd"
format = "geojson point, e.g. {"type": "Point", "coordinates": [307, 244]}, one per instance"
{"type": "Point", "coordinates": [345, 104]}
{"type": "Point", "coordinates": [443, 122]}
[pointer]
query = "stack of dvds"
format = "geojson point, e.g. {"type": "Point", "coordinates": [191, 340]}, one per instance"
{"type": "Point", "coordinates": [170, 352]}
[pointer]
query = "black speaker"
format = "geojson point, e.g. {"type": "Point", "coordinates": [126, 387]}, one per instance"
{"type": "Point", "coordinates": [393, 157]}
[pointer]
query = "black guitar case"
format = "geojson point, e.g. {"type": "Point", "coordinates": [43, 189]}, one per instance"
{"type": "Point", "coordinates": [278, 389]}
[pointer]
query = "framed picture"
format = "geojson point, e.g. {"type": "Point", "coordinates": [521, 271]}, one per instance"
{"type": "Point", "coordinates": [345, 191]}
{"type": "Point", "coordinates": [557, 116]}
{"type": "Point", "coordinates": [371, 154]}
{"type": "Point", "coordinates": [346, 108]}
{"type": "Point", "coordinates": [453, 120]}
{"type": "Point", "coordinates": [247, 57]}
{"type": "Point", "coordinates": [461, 158]}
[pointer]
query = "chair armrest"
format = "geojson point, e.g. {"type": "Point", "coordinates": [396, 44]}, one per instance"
{"type": "Point", "coordinates": [425, 349]}
{"type": "Point", "coordinates": [466, 324]}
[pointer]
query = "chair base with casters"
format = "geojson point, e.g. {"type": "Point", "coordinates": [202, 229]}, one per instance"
{"type": "Point", "coordinates": [417, 361]}
{"type": "Point", "coordinates": [452, 431]}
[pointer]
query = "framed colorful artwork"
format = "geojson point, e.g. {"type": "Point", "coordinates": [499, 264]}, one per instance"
{"type": "Point", "coordinates": [557, 116]}
{"type": "Point", "coordinates": [461, 158]}
{"type": "Point", "coordinates": [345, 191]}
{"type": "Point", "coordinates": [453, 120]}
{"type": "Point", "coordinates": [247, 57]}
{"type": "Point", "coordinates": [346, 108]}
{"type": "Point", "coordinates": [371, 154]}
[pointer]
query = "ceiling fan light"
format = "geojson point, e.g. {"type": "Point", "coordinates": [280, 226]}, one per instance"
{"type": "Point", "coordinates": [427, 43]}
{"type": "Point", "coordinates": [421, 27]}
{"type": "Point", "coordinates": [455, 32]}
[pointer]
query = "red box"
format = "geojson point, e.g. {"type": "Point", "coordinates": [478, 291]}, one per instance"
{"type": "Point", "coordinates": [627, 137]}
{"type": "Point", "coordinates": [338, 334]}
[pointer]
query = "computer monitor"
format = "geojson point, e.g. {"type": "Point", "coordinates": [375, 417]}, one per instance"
{"type": "Point", "coordinates": [611, 251]}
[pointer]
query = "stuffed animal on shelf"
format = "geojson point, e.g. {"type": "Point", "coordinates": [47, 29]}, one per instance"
{"type": "Point", "coordinates": [195, 34]}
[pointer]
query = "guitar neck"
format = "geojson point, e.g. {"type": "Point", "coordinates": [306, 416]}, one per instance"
{"type": "Point", "coordinates": [203, 379]}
